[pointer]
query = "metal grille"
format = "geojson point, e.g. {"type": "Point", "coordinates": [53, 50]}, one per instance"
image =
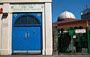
{"type": "Point", "coordinates": [71, 44]}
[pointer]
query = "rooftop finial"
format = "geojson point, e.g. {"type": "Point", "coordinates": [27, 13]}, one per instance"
{"type": "Point", "coordinates": [65, 9]}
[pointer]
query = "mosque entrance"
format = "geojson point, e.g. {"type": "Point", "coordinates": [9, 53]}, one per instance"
{"type": "Point", "coordinates": [72, 42]}
{"type": "Point", "coordinates": [26, 33]}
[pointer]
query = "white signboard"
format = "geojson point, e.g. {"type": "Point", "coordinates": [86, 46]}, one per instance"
{"type": "Point", "coordinates": [80, 31]}
{"type": "Point", "coordinates": [64, 31]}
{"type": "Point", "coordinates": [74, 36]}
{"type": "Point", "coordinates": [27, 7]}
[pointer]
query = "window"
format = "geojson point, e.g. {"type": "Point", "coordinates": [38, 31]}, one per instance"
{"type": "Point", "coordinates": [17, 21]}
{"type": "Point", "coordinates": [23, 20]}
{"type": "Point", "coordinates": [27, 19]}
{"type": "Point", "coordinates": [33, 20]}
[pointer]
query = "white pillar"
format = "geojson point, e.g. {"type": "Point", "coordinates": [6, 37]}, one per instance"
{"type": "Point", "coordinates": [48, 18]}
{"type": "Point", "coordinates": [9, 33]}
{"type": "Point", "coordinates": [4, 31]}
{"type": "Point", "coordinates": [43, 33]}
{"type": "Point", "coordinates": [0, 28]}
{"type": "Point", "coordinates": [0, 33]}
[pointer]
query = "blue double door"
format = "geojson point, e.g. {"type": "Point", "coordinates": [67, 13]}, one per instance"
{"type": "Point", "coordinates": [26, 33]}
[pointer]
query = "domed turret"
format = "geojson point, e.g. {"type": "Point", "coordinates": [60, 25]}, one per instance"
{"type": "Point", "coordinates": [66, 15]}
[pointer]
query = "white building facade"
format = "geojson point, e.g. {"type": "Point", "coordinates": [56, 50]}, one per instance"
{"type": "Point", "coordinates": [11, 31]}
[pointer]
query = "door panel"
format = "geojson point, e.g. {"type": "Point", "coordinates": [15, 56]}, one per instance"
{"type": "Point", "coordinates": [27, 38]}
{"type": "Point", "coordinates": [19, 41]}
{"type": "Point", "coordinates": [34, 42]}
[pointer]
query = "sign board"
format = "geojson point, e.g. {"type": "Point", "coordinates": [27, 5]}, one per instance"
{"type": "Point", "coordinates": [64, 31]}
{"type": "Point", "coordinates": [27, 7]}
{"type": "Point", "coordinates": [71, 32]}
{"type": "Point", "coordinates": [80, 31]}
{"type": "Point", "coordinates": [74, 36]}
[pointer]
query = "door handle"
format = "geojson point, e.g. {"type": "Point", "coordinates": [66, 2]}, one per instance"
{"type": "Point", "coordinates": [28, 36]}
{"type": "Point", "coordinates": [25, 36]}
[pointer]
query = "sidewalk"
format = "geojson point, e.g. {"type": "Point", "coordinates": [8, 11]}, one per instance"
{"type": "Point", "coordinates": [47, 56]}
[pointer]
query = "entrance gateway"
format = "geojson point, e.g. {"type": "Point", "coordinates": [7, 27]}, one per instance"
{"type": "Point", "coordinates": [26, 27]}
{"type": "Point", "coordinates": [27, 33]}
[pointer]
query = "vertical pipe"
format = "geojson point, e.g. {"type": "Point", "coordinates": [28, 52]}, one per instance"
{"type": "Point", "coordinates": [88, 40]}
{"type": "Point", "coordinates": [58, 39]}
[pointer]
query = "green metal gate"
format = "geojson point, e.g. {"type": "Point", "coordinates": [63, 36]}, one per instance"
{"type": "Point", "coordinates": [71, 42]}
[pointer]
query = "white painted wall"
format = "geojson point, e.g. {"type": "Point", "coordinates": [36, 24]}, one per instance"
{"type": "Point", "coordinates": [20, 1]}
{"type": "Point", "coordinates": [6, 26]}
{"type": "Point", "coordinates": [0, 30]}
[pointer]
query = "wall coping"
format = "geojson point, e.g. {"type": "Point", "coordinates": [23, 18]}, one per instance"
{"type": "Point", "coordinates": [25, 1]}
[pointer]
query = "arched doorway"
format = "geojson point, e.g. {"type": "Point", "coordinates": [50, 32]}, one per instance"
{"type": "Point", "coordinates": [26, 33]}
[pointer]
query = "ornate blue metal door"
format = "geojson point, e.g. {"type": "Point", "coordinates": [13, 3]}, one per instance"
{"type": "Point", "coordinates": [26, 32]}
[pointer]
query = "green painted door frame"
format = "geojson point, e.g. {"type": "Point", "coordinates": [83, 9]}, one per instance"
{"type": "Point", "coordinates": [58, 39]}
{"type": "Point", "coordinates": [88, 40]}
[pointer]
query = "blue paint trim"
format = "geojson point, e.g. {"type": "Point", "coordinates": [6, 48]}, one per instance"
{"type": "Point", "coordinates": [27, 25]}
{"type": "Point", "coordinates": [41, 34]}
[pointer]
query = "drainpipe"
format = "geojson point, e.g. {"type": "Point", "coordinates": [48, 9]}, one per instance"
{"type": "Point", "coordinates": [58, 40]}
{"type": "Point", "coordinates": [88, 40]}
